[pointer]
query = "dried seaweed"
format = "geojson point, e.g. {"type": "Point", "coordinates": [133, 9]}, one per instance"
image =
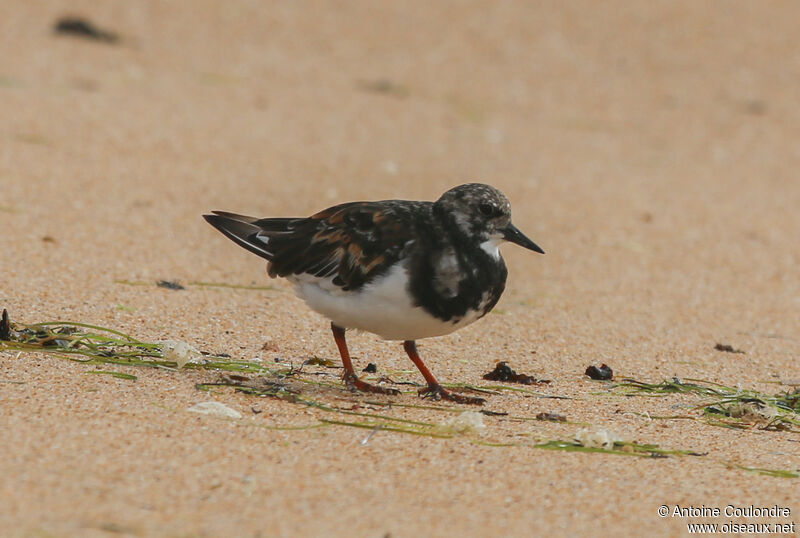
{"type": "Point", "coordinates": [602, 373]}
{"type": "Point", "coordinates": [389, 428]}
{"type": "Point", "coordinates": [319, 361]}
{"type": "Point", "coordinates": [778, 473]}
{"type": "Point", "coordinates": [234, 286]}
{"type": "Point", "coordinates": [498, 389]}
{"type": "Point", "coordinates": [621, 448]}
{"type": "Point", "coordinates": [672, 386]}
{"type": "Point", "coordinates": [80, 27]}
{"type": "Point", "coordinates": [551, 417]}
{"type": "Point", "coordinates": [736, 408]}
{"type": "Point", "coordinates": [170, 285]}
{"type": "Point", "coordinates": [119, 375]}
{"type": "Point", "coordinates": [727, 348]}
{"type": "Point", "coordinates": [375, 420]}
{"type": "Point", "coordinates": [223, 285]}
{"type": "Point", "coordinates": [503, 372]}
{"type": "Point", "coordinates": [5, 326]}
{"type": "Point", "coordinates": [92, 344]}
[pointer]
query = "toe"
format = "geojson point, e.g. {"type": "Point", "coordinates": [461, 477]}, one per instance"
{"type": "Point", "coordinates": [437, 392]}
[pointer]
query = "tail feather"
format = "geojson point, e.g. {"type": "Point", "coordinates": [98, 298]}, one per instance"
{"type": "Point", "coordinates": [243, 230]}
{"type": "Point", "coordinates": [234, 216]}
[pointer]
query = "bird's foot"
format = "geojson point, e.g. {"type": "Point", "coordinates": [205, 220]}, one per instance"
{"type": "Point", "coordinates": [437, 392]}
{"type": "Point", "coordinates": [353, 382]}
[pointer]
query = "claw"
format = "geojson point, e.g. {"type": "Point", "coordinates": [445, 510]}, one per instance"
{"type": "Point", "coordinates": [353, 382]}
{"type": "Point", "coordinates": [437, 392]}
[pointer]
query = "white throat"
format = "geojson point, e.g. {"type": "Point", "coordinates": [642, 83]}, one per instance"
{"type": "Point", "coordinates": [492, 247]}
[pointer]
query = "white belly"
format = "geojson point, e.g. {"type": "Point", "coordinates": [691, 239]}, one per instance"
{"type": "Point", "coordinates": [382, 307]}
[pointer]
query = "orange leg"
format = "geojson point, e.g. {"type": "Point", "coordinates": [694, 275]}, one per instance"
{"type": "Point", "coordinates": [434, 389]}
{"type": "Point", "coordinates": [350, 377]}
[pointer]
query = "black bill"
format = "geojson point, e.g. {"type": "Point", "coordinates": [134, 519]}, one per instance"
{"type": "Point", "coordinates": [512, 234]}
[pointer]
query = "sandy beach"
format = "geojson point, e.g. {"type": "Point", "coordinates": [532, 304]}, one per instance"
{"type": "Point", "coordinates": [649, 148]}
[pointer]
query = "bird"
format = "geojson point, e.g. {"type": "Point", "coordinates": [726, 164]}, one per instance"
{"type": "Point", "coordinates": [400, 269]}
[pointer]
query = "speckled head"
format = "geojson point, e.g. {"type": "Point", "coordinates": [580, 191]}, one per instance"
{"type": "Point", "coordinates": [483, 213]}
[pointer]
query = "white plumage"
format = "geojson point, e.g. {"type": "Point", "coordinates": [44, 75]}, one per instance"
{"type": "Point", "coordinates": [383, 307]}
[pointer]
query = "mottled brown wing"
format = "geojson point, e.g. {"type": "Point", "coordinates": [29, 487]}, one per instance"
{"type": "Point", "coordinates": [352, 242]}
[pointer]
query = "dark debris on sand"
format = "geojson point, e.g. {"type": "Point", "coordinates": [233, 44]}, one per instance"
{"type": "Point", "coordinates": [319, 361]}
{"type": "Point", "coordinates": [551, 417]}
{"type": "Point", "coordinates": [80, 27]}
{"type": "Point", "coordinates": [503, 372]}
{"type": "Point", "coordinates": [603, 373]}
{"type": "Point", "coordinates": [170, 285]}
{"type": "Point", "coordinates": [727, 348]}
{"type": "Point", "coordinates": [5, 326]}
{"type": "Point", "coordinates": [384, 86]}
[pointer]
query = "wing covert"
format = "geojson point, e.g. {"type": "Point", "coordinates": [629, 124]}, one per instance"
{"type": "Point", "coordinates": [352, 243]}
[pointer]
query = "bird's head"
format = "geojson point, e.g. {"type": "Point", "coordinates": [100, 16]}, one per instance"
{"type": "Point", "coordinates": [482, 212]}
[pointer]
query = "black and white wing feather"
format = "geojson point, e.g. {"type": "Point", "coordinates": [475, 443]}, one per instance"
{"type": "Point", "coordinates": [353, 243]}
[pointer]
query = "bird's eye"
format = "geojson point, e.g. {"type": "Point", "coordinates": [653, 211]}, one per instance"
{"type": "Point", "coordinates": [487, 210]}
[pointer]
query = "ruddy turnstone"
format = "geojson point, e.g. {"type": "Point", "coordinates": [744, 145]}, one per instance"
{"type": "Point", "coordinates": [403, 270]}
